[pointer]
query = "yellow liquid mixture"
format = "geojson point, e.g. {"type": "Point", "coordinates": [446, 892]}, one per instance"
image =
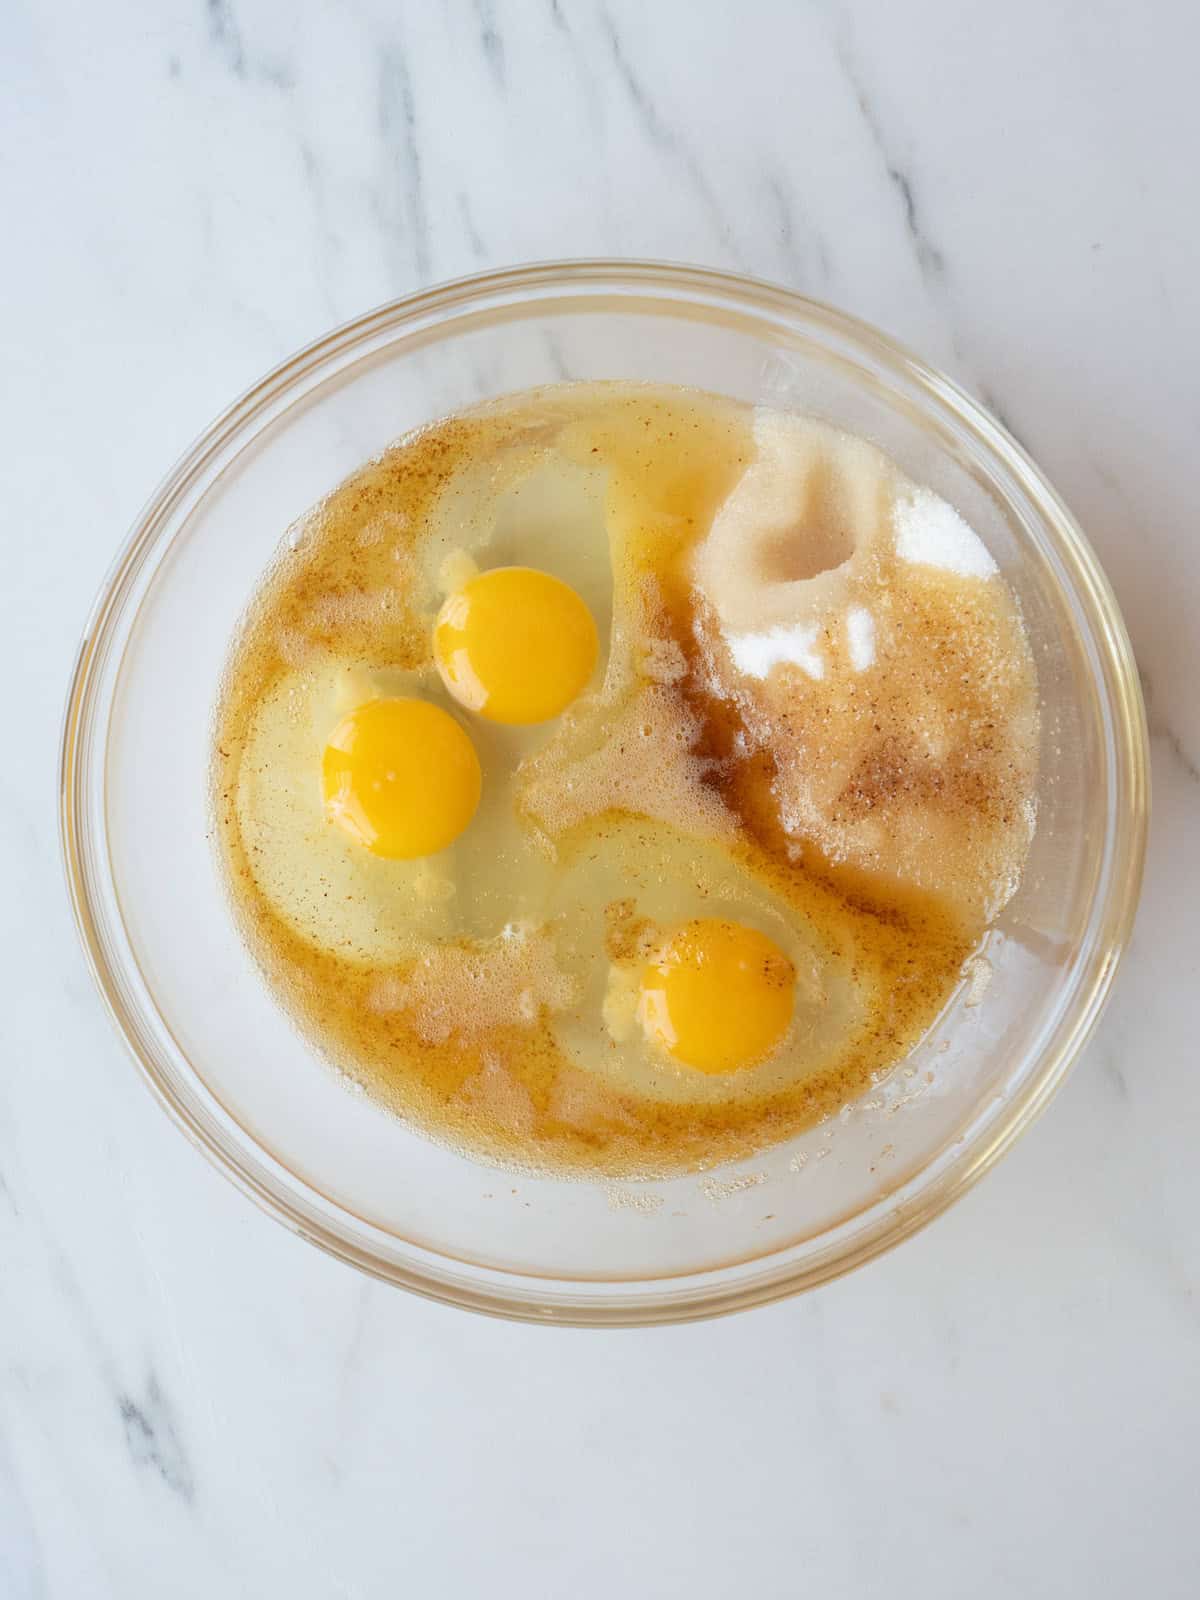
{"type": "Point", "coordinates": [804, 763]}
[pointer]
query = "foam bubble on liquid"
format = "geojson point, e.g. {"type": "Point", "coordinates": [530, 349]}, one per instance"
{"type": "Point", "coordinates": [496, 1097]}
{"type": "Point", "coordinates": [644, 765]}
{"type": "Point", "coordinates": [661, 661]}
{"type": "Point", "coordinates": [978, 974]}
{"type": "Point", "coordinates": [467, 990]}
{"type": "Point", "coordinates": [334, 611]}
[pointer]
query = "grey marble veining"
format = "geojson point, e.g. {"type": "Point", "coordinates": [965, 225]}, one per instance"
{"type": "Point", "coordinates": [192, 1402]}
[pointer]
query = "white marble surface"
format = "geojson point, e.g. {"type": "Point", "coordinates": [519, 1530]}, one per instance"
{"type": "Point", "coordinates": [194, 1403]}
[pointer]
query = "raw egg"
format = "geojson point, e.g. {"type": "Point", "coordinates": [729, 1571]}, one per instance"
{"type": "Point", "coordinates": [708, 986]}
{"type": "Point", "coordinates": [718, 995]}
{"type": "Point", "coordinates": [315, 873]}
{"type": "Point", "coordinates": [401, 777]}
{"type": "Point", "coordinates": [515, 645]}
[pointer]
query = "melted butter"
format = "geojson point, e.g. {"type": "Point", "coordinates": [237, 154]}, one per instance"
{"type": "Point", "coordinates": [493, 1072]}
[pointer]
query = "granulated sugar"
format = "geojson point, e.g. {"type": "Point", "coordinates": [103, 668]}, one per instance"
{"type": "Point", "coordinates": [931, 533]}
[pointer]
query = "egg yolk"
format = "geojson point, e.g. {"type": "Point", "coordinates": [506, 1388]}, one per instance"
{"type": "Point", "coordinates": [401, 777]}
{"type": "Point", "coordinates": [514, 644]}
{"type": "Point", "coordinates": [717, 995]}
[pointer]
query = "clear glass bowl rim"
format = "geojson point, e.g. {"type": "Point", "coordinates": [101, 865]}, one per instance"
{"type": "Point", "coordinates": [283, 1195]}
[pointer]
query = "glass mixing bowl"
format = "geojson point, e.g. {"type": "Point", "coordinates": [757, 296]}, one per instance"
{"type": "Point", "coordinates": [333, 1165]}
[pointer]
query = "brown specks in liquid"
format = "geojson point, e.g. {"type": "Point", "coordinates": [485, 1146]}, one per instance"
{"type": "Point", "coordinates": [511, 1094]}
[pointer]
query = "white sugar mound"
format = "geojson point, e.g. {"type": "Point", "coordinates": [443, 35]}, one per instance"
{"type": "Point", "coordinates": [931, 533]}
{"type": "Point", "coordinates": [756, 653]}
{"type": "Point", "coordinates": [860, 638]}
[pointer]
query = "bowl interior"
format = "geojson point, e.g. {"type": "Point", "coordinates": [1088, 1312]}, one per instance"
{"type": "Point", "coordinates": [332, 1162]}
